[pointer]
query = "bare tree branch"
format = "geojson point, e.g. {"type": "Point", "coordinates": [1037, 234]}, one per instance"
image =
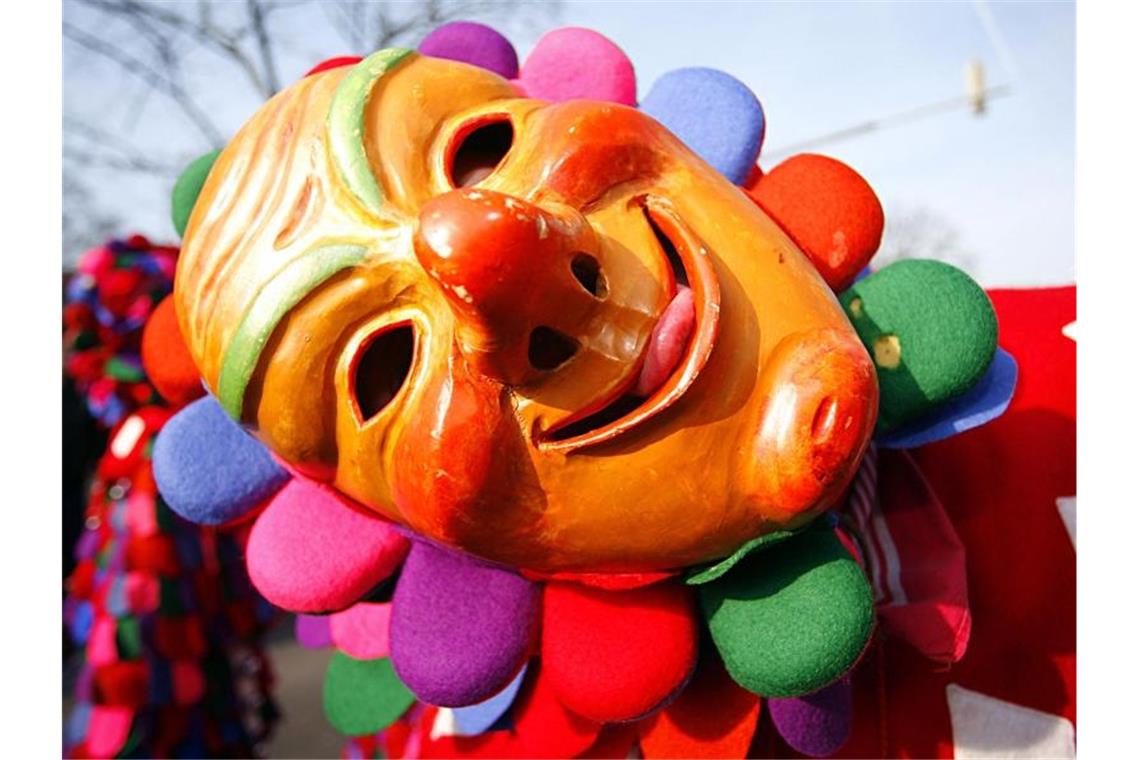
{"type": "Point", "coordinates": [204, 32]}
{"type": "Point", "coordinates": [921, 233]}
{"type": "Point", "coordinates": [144, 71]}
{"type": "Point", "coordinates": [188, 53]}
{"type": "Point", "coordinates": [257, 22]}
{"type": "Point", "coordinates": [137, 164]}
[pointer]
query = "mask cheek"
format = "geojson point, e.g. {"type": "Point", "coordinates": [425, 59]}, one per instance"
{"type": "Point", "coordinates": [293, 395]}
{"type": "Point", "coordinates": [460, 463]}
{"type": "Point", "coordinates": [293, 402]}
{"type": "Point", "coordinates": [820, 397]}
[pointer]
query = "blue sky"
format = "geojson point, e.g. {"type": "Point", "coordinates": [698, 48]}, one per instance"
{"type": "Point", "coordinates": [1003, 182]}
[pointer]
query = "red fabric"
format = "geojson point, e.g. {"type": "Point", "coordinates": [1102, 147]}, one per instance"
{"type": "Point", "coordinates": [122, 684]}
{"type": "Point", "coordinates": [999, 484]}
{"type": "Point", "coordinates": [153, 554]}
{"type": "Point", "coordinates": [615, 655]}
{"type": "Point", "coordinates": [179, 638]}
{"type": "Point", "coordinates": [933, 611]}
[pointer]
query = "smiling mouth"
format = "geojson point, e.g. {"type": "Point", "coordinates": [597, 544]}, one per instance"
{"type": "Point", "coordinates": [646, 393]}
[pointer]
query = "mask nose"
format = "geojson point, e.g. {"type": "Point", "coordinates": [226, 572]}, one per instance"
{"type": "Point", "coordinates": [522, 280]}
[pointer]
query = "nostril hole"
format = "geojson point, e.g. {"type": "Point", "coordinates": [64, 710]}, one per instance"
{"type": "Point", "coordinates": [549, 348]}
{"type": "Point", "coordinates": [480, 152]}
{"type": "Point", "coordinates": [382, 367]}
{"type": "Point", "coordinates": [588, 273]}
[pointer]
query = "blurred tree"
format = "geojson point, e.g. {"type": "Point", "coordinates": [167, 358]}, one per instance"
{"type": "Point", "coordinates": [917, 232]}
{"type": "Point", "coordinates": [176, 59]}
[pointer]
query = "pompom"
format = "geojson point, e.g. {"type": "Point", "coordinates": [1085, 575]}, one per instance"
{"type": "Point", "coordinates": [572, 63]}
{"type": "Point", "coordinates": [473, 43]}
{"type": "Point", "coordinates": [828, 210]}
{"type": "Point", "coordinates": [715, 114]}
{"type": "Point", "coordinates": [616, 655]}
{"type": "Point", "coordinates": [166, 358]}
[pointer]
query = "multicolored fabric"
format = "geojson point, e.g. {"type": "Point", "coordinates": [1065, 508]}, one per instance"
{"type": "Point", "coordinates": [163, 610]}
{"type": "Point", "coordinates": [106, 303]}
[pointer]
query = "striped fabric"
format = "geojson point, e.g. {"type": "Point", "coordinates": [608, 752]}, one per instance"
{"type": "Point", "coordinates": [913, 558]}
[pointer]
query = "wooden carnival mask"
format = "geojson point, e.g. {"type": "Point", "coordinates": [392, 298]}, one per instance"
{"type": "Point", "coordinates": [545, 333]}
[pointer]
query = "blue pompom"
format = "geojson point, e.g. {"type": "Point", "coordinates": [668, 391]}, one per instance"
{"type": "Point", "coordinates": [208, 469]}
{"type": "Point", "coordinates": [987, 400]}
{"type": "Point", "coordinates": [479, 718]}
{"type": "Point", "coordinates": [713, 113]}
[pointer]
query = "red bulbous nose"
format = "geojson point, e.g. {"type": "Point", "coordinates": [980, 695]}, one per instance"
{"type": "Point", "coordinates": [522, 280]}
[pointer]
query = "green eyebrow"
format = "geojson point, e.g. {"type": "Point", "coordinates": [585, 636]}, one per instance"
{"type": "Point", "coordinates": [269, 306]}
{"type": "Point", "coordinates": [346, 125]}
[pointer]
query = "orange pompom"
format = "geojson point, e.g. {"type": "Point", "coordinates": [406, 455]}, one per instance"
{"type": "Point", "coordinates": [713, 717]}
{"type": "Point", "coordinates": [830, 212]}
{"type": "Point", "coordinates": [166, 359]}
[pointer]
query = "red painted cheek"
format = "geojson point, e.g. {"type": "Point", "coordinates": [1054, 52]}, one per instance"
{"type": "Point", "coordinates": [445, 463]}
{"type": "Point", "coordinates": [815, 422]}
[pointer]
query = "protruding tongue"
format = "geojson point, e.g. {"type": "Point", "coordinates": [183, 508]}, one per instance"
{"type": "Point", "coordinates": [667, 342]}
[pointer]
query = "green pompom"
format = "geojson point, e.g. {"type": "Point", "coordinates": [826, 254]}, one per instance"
{"type": "Point", "coordinates": [363, 696]}
{"type": "Point", "coordinates": [187, 189]}
{"type": "Point", "coordinates": [699, 576]}
{"type": "Point", "coordinates": [793, 619]}
{"type": "Point", "coordinates": [931, 331]}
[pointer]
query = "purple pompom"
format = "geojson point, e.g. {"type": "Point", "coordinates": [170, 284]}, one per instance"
{"type": "Point", "coordinates": [477, 44]}
{"type": "Point", "coordinates": [816, 724]}
{"type": "Point", "coordinates": [460, 630]}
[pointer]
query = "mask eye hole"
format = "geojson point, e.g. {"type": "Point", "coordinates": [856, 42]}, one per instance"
{"type": "Point", "coordinates": [479, 151]}
{"type": "Point", "coordinates": [381, 368]}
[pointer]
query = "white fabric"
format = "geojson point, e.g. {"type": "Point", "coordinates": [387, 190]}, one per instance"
{"type": "Point", "coordinates": [1067, 507]}
{"type": "Point", "coordinates": [444, 723]}
{"type": "Point", "coordinates": [985, 727]}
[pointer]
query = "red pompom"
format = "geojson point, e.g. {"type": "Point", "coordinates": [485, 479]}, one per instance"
{"type": "Point", "coordinates": [166, 359]}
{"type": "Point", "coordinates": [615, 655]}
{"type": "Point", "coordinates": [334, 63]}
{"type": "Point", "coordinates": [830, 212]}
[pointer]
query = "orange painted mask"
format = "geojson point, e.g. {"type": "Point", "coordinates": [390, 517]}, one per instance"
{"type": "Point", "coordinates": [547, 334]}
